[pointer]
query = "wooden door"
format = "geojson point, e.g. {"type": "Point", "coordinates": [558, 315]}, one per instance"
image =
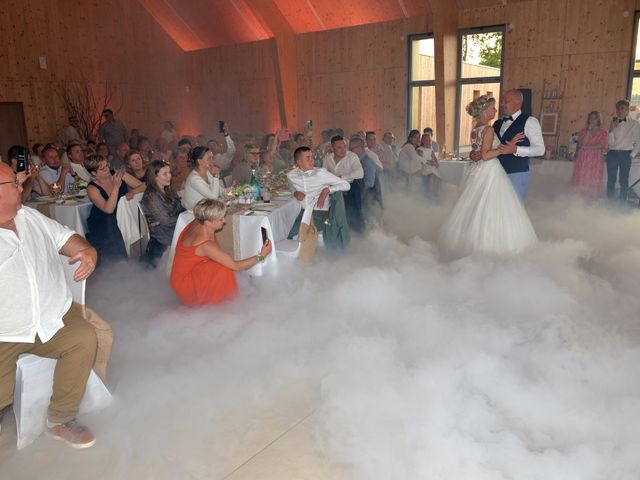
{"type": "Point", "coordinates": [13, 130]}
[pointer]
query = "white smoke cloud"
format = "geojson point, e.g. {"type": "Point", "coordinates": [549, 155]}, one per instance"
{"type": "Point", "coordinates": [405, 366]}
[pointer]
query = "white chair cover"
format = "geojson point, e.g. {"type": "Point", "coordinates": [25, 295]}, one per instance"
{"type": "Point", "coordinates": [127, 217]}
{"type": "Point", "coordinates": [34, 381]}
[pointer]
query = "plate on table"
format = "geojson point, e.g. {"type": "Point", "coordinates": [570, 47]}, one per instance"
{"type": "Point", "coordinates": [45, 198]}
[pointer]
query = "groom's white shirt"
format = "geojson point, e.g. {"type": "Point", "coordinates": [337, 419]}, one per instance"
{"type": "Point", "coordinates": [532, 131]}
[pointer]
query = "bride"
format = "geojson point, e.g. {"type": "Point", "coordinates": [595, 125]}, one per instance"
{"type": "Point", "coordinates": [489, 216]}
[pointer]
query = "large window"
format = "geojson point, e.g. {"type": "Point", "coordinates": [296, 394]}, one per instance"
{"type": "Point", "coordinates": [480, 59]}
{"type": "Point", "coordinates": [422, 83]}
{"type": "Point", "coordinates": [633, 89]}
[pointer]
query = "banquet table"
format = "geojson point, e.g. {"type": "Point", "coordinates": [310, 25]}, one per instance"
{"type": "Point", "coordinates": [72, 212]}
{"type": "Point", "coordinates": [244, 239]}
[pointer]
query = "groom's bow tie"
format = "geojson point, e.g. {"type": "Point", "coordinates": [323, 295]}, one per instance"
{"type": "Point", "coordinates": [508, 118]}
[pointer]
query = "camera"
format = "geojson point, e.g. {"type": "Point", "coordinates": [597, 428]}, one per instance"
{"type": "Point", "coordinates": [22, 165]}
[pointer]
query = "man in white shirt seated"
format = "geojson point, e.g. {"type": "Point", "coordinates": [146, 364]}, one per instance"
{"type": "Point", "coordinates": [76, 162]}
{"type": "Point", "coordinates": [312, 186]}
{"type": "Point", "coordinates": [52, 172]}
{"type": "Point", "coordinates": [38, 315]}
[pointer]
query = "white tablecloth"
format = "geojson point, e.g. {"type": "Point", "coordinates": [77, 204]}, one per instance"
{"type": "Point", "coordinates": [452, 171]}
{"type": "Point", "coordinates": [247, 238]}
{"type": "Point", "coordinates": [73, 213]}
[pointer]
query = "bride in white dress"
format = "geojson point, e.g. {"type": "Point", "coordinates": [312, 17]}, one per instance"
{"type": "Point", "coordinates": [489, 216]}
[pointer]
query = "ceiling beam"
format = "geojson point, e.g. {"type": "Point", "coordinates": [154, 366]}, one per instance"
{"type": "Point", "coordinates": [285, 59]}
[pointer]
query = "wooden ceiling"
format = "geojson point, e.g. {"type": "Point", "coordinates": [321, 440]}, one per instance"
{"type": "Point", "coordinates": [199, 24]}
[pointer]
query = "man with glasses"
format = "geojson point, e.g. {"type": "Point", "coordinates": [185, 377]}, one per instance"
{"type": "Point", "coordinates": [39, 316]}
{"type": "Point", "coordinates": [242, 171]}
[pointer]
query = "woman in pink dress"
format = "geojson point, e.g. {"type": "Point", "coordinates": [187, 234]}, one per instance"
{"type": "Point", "coordinates": [589, 168]}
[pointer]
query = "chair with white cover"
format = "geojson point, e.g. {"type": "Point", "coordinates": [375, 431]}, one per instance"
{"type": "Point", "coordinates": [143, 228]}
{"type": "Point", "coordinates": [34, 380]}
{"type": "Point", "coordinates": [128, 222]}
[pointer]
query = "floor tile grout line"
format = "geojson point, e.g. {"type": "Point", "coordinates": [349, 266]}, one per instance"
{"type": "Point", "coordinates": [268, 445]}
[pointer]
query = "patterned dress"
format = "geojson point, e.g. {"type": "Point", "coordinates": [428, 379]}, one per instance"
{"type": "Point", "coordinates": [589, 168]}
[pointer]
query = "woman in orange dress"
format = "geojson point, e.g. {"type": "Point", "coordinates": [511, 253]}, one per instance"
{"type": "Point", "coordinates": [589, 168]}
{"type": "Point", "coordinates": [202, 272]}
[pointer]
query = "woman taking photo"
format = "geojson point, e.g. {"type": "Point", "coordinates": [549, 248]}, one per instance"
{"type": "Point", "coordinates": [202, 272]}
{"type": "Point", "coordinates": [161, 206]}
{"type": "Point", "coordinates": [202, 182]}
{"type": "Point", "coordinates": [104, 191]}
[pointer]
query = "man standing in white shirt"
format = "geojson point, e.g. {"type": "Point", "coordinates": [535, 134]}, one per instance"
{"type": "Point", "coordinates": [346, 165]}
{"type": "Point", "coordinates": [39, 316]}
{"type": "Point", "coordinates": [624, 144]}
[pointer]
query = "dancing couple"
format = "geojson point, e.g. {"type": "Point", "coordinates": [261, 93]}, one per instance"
{"type": "Point", "coordinates": [489, 216]}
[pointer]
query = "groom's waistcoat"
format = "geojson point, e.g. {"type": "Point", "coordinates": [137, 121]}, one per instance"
{"type": "Point", "coordinates": [510, 162]}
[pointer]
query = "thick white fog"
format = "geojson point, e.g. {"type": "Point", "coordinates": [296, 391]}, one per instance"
{"type": "Point", "coordinates": [401, 365]}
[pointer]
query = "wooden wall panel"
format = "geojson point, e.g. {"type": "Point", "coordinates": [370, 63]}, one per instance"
{"type": "Point", "coordinates": [583, 46]}
{"type": "Point", "coordinates": [98, 40]}
{"type": "Point", "coordinates": [356, 78]}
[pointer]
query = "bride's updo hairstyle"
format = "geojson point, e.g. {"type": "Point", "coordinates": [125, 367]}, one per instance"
{"type": "Point", "coordinates": [479, 105]}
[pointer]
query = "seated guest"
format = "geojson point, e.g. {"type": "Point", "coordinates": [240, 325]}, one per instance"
{"type": "Point", "coordinates": [117, 161]}
{"type": "Point", "coordinates": [346, 165]}
{"type": "Point", "coordinates": [36, 153]}
{"type": "Point", "coordinates": [181, 169]}
{"type": "Point", "coordinates": [134, 138]}
{"type": "Point", "coordinates": [145, 150]}
{"type": "Point", "coordinates": [76, 162]}
{"type": "Point", "coordinates": [375, 147]}
{"type": "Point", "coordinates": [223, 156]}
{"type": "Point", "coordinates": [410, 162]}
{"type": "Point", "coordinates": [185, 142]}
{"type": "Point", "coordinates": [27, 180]}
{"type": "Point", "coordinates": [104, 191]}
{"type": "Point", "coordinates": [52, 171]}
{"type": "Point", "coordinates": [271, 159]}
{"type": "Point", "coordinates": [161, 205]}
{"type": "Point", "coordinates": [242, 170]}
{"type": "Point", "coordinates": [103, 149]}
{"type": "Point", "coordinates": [312, 186]}
{"type": "Point", "coordinates": [135, 165]}
{"type": "Point", "coordinates": [202, 272]}
{"type": "Point", "coordinates": [435, 146]}
{"type": "Point", "coordinates": [39, 316]}
{"type": "Point", "coordinates": [430, 169]}
{"type": "Point", "coordinates": [203, 181]}
{"type": "Point", "coordinates": [372, 193]}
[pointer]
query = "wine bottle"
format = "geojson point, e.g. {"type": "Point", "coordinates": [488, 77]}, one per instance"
{"type": "Point", "coordinates": [254, 184]}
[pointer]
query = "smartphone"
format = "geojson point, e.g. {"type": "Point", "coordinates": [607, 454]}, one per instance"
{"type": "Point", "coordinates": [309, 124]}
{"type": "Point", "coordinates": [22, 165]}
{"type": "Point", "coordinates": [284, 135]}
{"type": "Point", "coordinates": [264, 235]}
{"type": "Point", "coordinates": [221, 126]}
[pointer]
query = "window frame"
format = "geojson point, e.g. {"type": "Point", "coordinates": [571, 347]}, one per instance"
{"type": "Point", "coordinates": [633, 73]}
{"type": "Point", "coordinates": [411, 84]}
{"type": "Point", "coordinates": [475, 80]}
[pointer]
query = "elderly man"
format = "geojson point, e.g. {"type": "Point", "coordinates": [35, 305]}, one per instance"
{"type": "Point", "coordinates": [624, 144]}
{"type": "Point", "coordinates": [515, 159]}
{"type": "Point", "coordinates": [52, 171]}
{"type": "Point", "coordinates": [372, 192]}
{"type": "Point", "coordinates": [112, 131]}
{"type": "Point", "coordinates": [39, 316]}
{"type": "Point", "coordinates": [312, 186]}
{"type": "Point", "coordinates": [76, 162]}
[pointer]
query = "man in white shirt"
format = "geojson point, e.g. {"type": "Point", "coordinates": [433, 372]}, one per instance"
{"type": "Point", "coordinates": [76, 162]}
{"type": "Point", "coordinates": [624, 144]}
{"type": "Point", "coordinates": [312, 186]}
{"type": "Point", "coordinates": [341, 162]}
{"type": "Point", "coordinates": [52, 171]}
{"type": "Point", "coordinates": [38, 315]}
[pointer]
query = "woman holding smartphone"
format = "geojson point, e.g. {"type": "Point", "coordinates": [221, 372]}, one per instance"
{"type": "Point", "coordinates": [202, 272]}
{"type": "Point", "coordinates": [104, 191]}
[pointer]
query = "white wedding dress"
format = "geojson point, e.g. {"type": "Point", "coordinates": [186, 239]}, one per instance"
{"type": "Point", "coordinates": [488, 216]}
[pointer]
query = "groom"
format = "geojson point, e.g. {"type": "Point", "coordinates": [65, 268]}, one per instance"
{"type": "Point", "coordinates": [515, 158]}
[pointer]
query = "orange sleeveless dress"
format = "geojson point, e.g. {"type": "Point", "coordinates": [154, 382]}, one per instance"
{"type": "Point", "coordinates": [199, 280]}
